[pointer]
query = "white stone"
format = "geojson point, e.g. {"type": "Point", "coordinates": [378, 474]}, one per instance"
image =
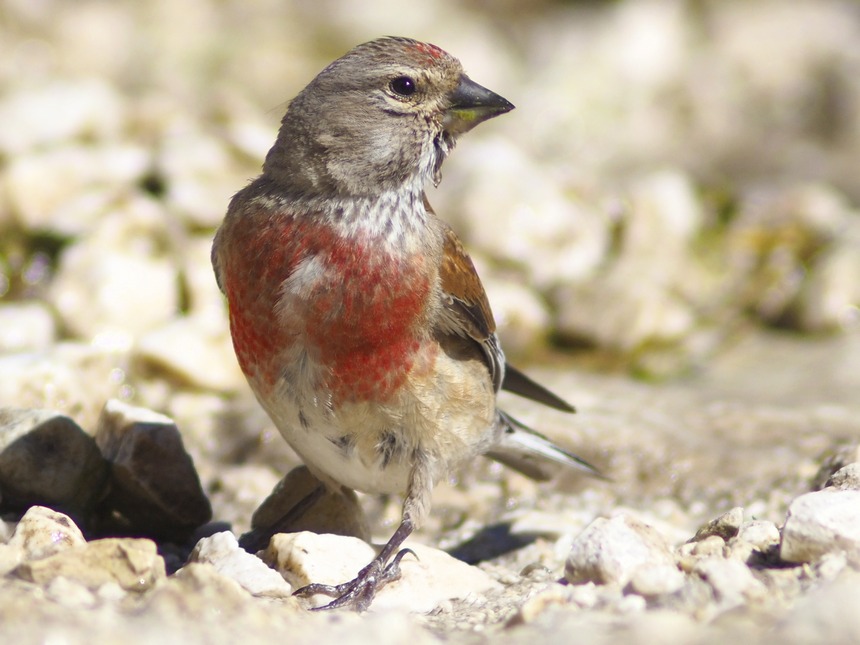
{"type": "Point", "coordinates": [26, 326]}
{"type": "Point", "coordinates": [90, 108]}
{"type": "Point", "coordinates": [829, 615]}
{"type": "Point", "coordinates": [824, 521]}
{"type": "Point", "coordinates": [303, 558]}
{"type": "Point", "coordinates": [42, 532]}
{"type": "Point", "coordinates": [193, 350]}
{"type": "Point", "coordinates": [609, 551]}
{"type": "Point", "coordinates": [725, 525]}
{"type": "Point", "coordinates": [117, 283]}
{"type": "Point", "coordinates": [731, 580]}
{"type": "Point", "coordinates": [522, 318]}
{"type": "Point", "coordinates": [711, 545]}
{"type": "Point", "coordinates": [831, 293]}
{"type": "Point", "coordinates": [556, 237]}
{"type": "Point", "coordinates": [71, 593]}
{"type": "Point", "coordinates": [85, 180]}
{"type": "Point", "coordinates": [200, 172]}
{"type": "Point", "coordinates": [846, 478]}
{"type": "Point", "coordinates": [635, 299]}
{"type": "Point", "coordinates": [223, 552]}
{"type": "Point", "coordinates": [205, 299]}
{"type": "Point", "coordinates": [74, 378]}
{"type": "Point", "coordinates": [656, 580]}
{"type": "Point", "coordinates": [760, 533]}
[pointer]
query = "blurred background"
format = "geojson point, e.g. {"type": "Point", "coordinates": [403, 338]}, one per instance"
{"type": "Point", "coordinates": [678, 175]}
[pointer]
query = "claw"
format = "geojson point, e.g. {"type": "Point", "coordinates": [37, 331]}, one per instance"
{"type": "Point", "coordinates": [359, 592]}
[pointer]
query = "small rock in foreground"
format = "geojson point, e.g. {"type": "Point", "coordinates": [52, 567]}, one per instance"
{"type": "Point", "coordinates": [336, 513]}
{"type": "Point", "coordinates": [825, 521]}
{"type": "Point", "coordinates": [47, 459]}
{"type": "Point", "coordinates": [43, 532]}
{"type": "Point", "coordinates": [155, 489]}
{"type": "Point", "coordinates": [133, 564]}
{"type": "Point", "coordinates": [609, 551]}
{"type": "Point", "coordinates": [223, 552]}
{"type": "Point", "coordinates": [427, 578]}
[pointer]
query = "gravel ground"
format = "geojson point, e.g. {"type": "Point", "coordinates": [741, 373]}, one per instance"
{"type": "Point", "coordinates": [667, 227]}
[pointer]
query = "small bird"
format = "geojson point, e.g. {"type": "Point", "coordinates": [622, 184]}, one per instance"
{"type": "Point", "coordinates": [356, 315]}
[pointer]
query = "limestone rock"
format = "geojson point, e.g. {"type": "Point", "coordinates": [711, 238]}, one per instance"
{"type": "Point", "coordinates": [194, 351]}
{"type": "Point", "coordinates": [725, 526]}
{"type": "Point", "coordinates": [846, 478]}
{"type": "Point", "coordinates": [759, 533]}
{"type": "Point", "coordinates": [70, 378]}
{"type": "Point", "coordinates": [651, 580]}
{"type": "Point", "coordinates": [425, 581]}
{"type": "Point", "coordinates": [26, 326]}
{"type": "Point", "coordinates": [838, 458]}
{"type": "Point", "coordinates": [43, 532]}
{"type": "Point", "coordinates": [118, 281]}
{"type": "Point", "coordinates": [821, 522]}
{"type": "Point", "coordinates": [732, 581]}
{"type": "Point", "coordinates": [609, 551]}
{"type": "Point", "coordinates": [86, 180]}
{"type": "Point", "coordinates": [133, 564]}
{"type": "Point", "coordinates": [223, 552]}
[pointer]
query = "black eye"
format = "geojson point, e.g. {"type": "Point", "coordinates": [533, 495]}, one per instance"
{"type": "Point", "coordinates": [403, 85]}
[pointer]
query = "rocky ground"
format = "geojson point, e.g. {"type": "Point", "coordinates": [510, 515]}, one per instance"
{"type": "Point", "coordinates": [668, 231]}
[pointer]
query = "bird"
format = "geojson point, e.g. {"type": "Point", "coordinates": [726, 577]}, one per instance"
{"type": "Point", "coordinates": [356, 314]}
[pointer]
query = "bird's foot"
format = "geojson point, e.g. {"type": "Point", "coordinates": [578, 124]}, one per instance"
{"type": "Point", "coordinates": [359, 592]}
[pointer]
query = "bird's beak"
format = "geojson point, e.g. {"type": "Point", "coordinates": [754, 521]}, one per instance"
{"type": "Point", "coordinates": [470, 105]}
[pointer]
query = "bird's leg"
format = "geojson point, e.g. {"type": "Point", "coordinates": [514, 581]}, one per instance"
{"type": "Point", "coordinates": [257, 539]}
{"type": "Point", "coordinates": [359, 592]}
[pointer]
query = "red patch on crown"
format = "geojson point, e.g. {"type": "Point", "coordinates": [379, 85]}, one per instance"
{"type": "Point", "coordinates": [429, 50]}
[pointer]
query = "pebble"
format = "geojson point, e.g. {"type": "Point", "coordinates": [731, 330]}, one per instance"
{"type": "Point", "coordinates": [223, 552]}
{"type": "Point", "coordinates": [652, 580]}
{"type": "Point", "coordinates": [836, 459]}
{"type": "Point", "coordinates": [199, 592]}
{"type": "Point", "coordinates": [530, 210]}
{"type": "Point", "coordinates": [154, 487]}
{"type": "Point", "coordinates": [47, 459]}
{"type": "Point", "coordinates": [201, 175]}
{"type": "Point", "coordinates": [43, 532]}
{"type": "Point", "coordinates": [123, 134]}
{"type": "Point", "coordinates": [732, 581]}
{"type": "Point", "coordinates": [336, 513]}
{"type": "Point", "coordinates": [71, 593]}
{"type": "Point", "coordinates": [192, 353]}
{"type": "Point", "coordinates": [610, 551]}
{"type": "Point", "coordinates": [427, 578]}
{"type": "Point", "coordinates": [117, 282]}
{"type": "Point", "coordinates": [71, 378]}
{"type": "Point", "coordinates": [725, 526]}
{"type": "Point", "coordinates": [133, 564]}
{"type": "Point", "coordinates": [633, 300]}
{"type": "Point", "coordinates": [522, 318]}
{"type": "Point", "coordinates": [92, 108]}
{"type": "Point", "coordinates": [86, 183]}
{"type": "Point", "coordinates": [822, 522]}
{"type": "Point", "coordinates": [711, 545]}
{"type": "Point", "coordinates": [760, 533]}
{"type": "Point", "coordinates": [830, 296]}
{"type": "Point", "coordinates": [26, 326]}
{"type": "Point", "coordinates": [831, 612]}
{"type": "Point", "coordinates": [846, 478]}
